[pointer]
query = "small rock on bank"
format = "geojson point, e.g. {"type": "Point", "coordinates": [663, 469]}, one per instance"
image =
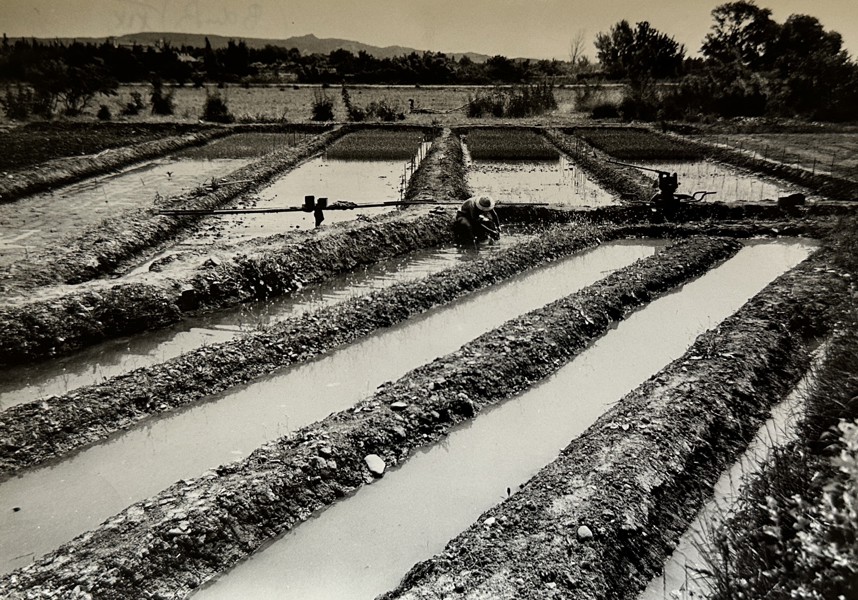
{"type": "Point", "coordinates": [375, 464]}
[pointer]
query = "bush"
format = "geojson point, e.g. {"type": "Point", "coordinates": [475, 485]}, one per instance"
{"type": "Point", "coordinates": [216, 111]}
{"type": "Point", "coordinates": [385, 111]}
{"type": "Point", "coordinates": [518, 102]}
{"type": "Point", "coordinates": [134, 107]}
{"type": "Point", "coordinates": [605, 110]}
{"type": "Point", "coordinates": [104, 113]}
{"type": "Point", "coordinates": [17, 104]}
{"type": "Point", "coordinates": [637, 108]}
{"type": "Point", "coordinates": [323, 108]}
{"type": "Point", "coordinates": [162, 103]}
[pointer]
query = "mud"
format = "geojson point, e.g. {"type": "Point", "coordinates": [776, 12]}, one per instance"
{"type": "Point", "coordinates": [600, 520]}
{"type": "Point", "coordinates": [826, 185]}
{"type": "Point", "coordinates": [101, 248]}
{"type": "Point", "coordinates": [61, 171]}
{"type": "Point", "coordinates": [39, 430]}
{"type": "Point", "coordinates": [169, 544]}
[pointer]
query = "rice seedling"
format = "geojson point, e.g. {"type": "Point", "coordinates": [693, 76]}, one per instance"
{"type": "Point", "coordinates": [509, 144]}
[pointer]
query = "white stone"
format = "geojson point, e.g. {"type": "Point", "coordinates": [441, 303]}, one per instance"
{"type": "Point", "coordinates": [375, 464]}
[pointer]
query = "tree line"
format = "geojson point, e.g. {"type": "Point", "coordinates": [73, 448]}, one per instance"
{"type": "Point", "coordinates": [750, 65]}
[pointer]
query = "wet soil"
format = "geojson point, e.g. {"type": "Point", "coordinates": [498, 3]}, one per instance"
{"type": "Point", "coordinates": [101, 248]}
{"type": "Point", "coordinates": [169, 544]}
{"type": "Point", "coordinates": [35, 143]}
{"type": "Point", "coordinates": [599, 521]}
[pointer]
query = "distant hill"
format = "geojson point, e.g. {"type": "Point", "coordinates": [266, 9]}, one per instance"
{"type": "Point", "coordinates": [307, 44]}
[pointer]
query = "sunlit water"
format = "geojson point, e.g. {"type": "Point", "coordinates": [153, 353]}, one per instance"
{"type": "Point", "coordinates": [60, 501]}
{"type": "Point", "coordinates": [115, 357]}
{"type": "Point", "coordinates": [729, 183]}
{"type": "Point", "coordinates": [684, 571]}
{"type": "Point", "coordinates": [361, 546]}
{"type": "Point", "coordinates": [557, 181]}
{"type": "Point", "coordinates": [357, 181]}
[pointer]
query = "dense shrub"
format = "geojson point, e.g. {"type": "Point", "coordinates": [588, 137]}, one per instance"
{"type": "Point", "coordinates": [605, 110]}
{"type": "Point", "coordinates": [162, 103]}
{"type": "Point", "coordinates": [323, 108]}
{"type": "Point", "coordinates": [216, 110]}
{"type": "Point", "coordinates": [17, 104]}
{"type": "Point", "coordinates": [134, 107]}
{"type": "Point", "coordinates": [104, 113]}
{"type": "Point", "coordinates": [516, 102]}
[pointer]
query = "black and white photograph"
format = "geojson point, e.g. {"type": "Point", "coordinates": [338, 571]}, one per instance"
{"type": "Point", "coordinates": [428, 300]}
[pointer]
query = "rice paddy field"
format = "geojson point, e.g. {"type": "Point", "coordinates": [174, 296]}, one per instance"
{"type": "Point", "coordinates": [832, 153]}
{"type": "Point", "coordinates": [226, 393]}
{"type": "Point", "coordinates": [293, 103]}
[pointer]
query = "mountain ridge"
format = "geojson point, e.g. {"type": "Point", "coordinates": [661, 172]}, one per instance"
{"type": "Point", "coordinates": [306, 44]}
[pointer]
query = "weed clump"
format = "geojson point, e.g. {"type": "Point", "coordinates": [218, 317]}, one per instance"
{"type": "Point", "coordinates": [516, 102]}
{"type": "Point", "coordinates": [323, 107]}
{"type": "Point", "coordinates": [162, 103]}
{"type": "Point", "coordinates": [794, 533]}
{"type": "Point", "coordinates": [215, 110]}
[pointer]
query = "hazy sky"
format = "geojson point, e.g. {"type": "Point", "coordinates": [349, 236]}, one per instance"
{"type": "Point", "coordinates": [531, 28]}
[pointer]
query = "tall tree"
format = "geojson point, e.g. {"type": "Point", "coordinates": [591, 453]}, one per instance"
{"type": "Point", "coordinates": [641, 55]}
{"type": "Point", "coordinates": [743, 35]}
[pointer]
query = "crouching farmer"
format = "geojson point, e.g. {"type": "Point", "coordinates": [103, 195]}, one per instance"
{"type": "Point", "coordinates": [476, 221]}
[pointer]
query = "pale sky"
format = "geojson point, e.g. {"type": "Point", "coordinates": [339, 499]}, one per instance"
{"type": "Point", "coordinates": [514, 28]}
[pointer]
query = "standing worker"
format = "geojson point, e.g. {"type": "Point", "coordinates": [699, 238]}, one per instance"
{"type": "Point", "coordinates": [476, 221]}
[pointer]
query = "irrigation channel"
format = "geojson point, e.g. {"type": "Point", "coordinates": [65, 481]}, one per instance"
{"type": "Point", "coordinates": [556, 181]}
{"type": "Point", "coordinates": [358, 181]}
{"type": "Point", "coordinates": [730, 184]}
{"type": "Point", "coordinates": [361, 546]}
{"type": "Point", "coordinates": [115, 357]}
{"type": "Point", "coordinates": [64, 499]}
{"type": "Point", "coordinates": [683, 577]}
{"type": "Point", "coordinates": [35, 223]}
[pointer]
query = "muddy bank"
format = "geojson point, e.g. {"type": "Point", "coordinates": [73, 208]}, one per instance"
{"type": "Point", "coordinates": [43, 328]}
{"type": "Point", "coordinates": [442, 174]}
{"type": "Point", "coordinates": [750, 216]}
{"type": "Point", "coordinates": [626, 183]}
{"type": "Point", "coordinates": [62, 171]}
{"type": "Point", "coordinates": [599, 521]}
{"type": "Point", "coordinates": [101, 248]}
{"type": "Point", "coordinates": [823, 183]}
{"type": "Point", "coordinates": [41, 430]}
{"type": "Point", "coordinates": [166, 546]}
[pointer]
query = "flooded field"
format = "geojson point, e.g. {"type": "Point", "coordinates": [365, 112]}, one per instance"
{"type": "Point", "coordinates": [116, 357]}
{"type": "Point", "coordinates": [143, 460]}
{"type": "Point", "coordinates": [361, 546]}
{"type": "Point", "coordinates": [33, 224]}
{"type": "Point", "coordinates": [557, 181]}
{"type": "Point", "coordinates": [367, 181]}
{"type": "Point", "coordinates": [730, 184]}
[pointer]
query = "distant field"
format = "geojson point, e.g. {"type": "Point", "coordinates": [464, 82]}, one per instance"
{"type": "Point", "coordinates": [294, 103]}
{"type": "Point", "coordinates": [832, 153]}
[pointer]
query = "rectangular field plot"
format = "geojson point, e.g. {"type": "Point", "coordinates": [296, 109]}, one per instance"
{"type": "Point", "coordinates": [377, 145]}
{"type": "Point", "coordinates": [508, 144]}
{"type": "Point", "coordinates": [832, 153]}
{"type": "Point", "coordinates": [246, 145]}
{"type": "Point", "coordinates": [557, 181]}
{"type": "Point", "coordinates": [37, 222]}
{"type": "Point", "coordinates": [729, 183]}
{"type": "Point", "coordinates": [520, 166]}
{"type": "Point", "coordinates": [630, 143]}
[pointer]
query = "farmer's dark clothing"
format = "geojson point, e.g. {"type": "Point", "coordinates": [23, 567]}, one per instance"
{"type": "Point", "coordinates": [473, 224]}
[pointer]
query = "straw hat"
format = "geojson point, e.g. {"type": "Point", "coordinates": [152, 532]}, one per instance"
{"type": "Point", "coordinates": [485, 203]}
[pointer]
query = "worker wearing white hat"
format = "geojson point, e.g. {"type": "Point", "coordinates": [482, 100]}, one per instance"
{"type": "Point", "coordinates": [477, 221]}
